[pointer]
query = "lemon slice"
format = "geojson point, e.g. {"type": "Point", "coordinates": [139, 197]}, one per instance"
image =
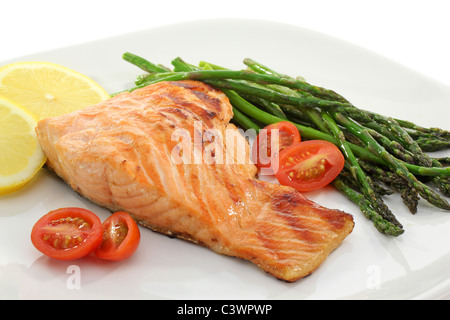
{"type": "Point", "coordinates": [46, 89]}
{"type": "Point", "coordinates": [21, 156]}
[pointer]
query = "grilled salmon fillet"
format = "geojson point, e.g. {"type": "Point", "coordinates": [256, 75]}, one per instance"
{"type": "Point", "coordinates": [137, 152]}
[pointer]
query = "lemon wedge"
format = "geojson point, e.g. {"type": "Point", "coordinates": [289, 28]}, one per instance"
{"type": "Point", "coordinates": [21, 156]}
{"type": "Point", "coordinates": [46, 89]}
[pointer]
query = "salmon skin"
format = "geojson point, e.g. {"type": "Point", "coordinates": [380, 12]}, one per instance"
{"type": "Point", "coordinates": [123, 154]}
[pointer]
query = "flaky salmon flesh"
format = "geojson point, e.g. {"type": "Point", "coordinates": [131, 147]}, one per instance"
{"type": "Point", "coordinates": [127, 154]}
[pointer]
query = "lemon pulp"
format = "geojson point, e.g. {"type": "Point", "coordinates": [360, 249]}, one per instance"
{"type": "Point", "coordinates": [46, 89]}
{"type": "Point", "coordinates": [21, 156]}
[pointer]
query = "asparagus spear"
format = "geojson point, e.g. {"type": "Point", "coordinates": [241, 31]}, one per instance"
{"type": "Point", "coordinates": [380, 223]}
{"type": "Point", "coordinates": [434, 131]}
{"type": "Point", "coordinates": [409, 195]}
{"type": "Point", "coordinates": [306, 87]}
{"type": "Point", "coordinates": [387, 127]}
{"type": "Point", "coordinates": [429, 144]}
{"type": "Point", "coordinates": [444, 161]}
{"type": "Point", "coordinates": [244, 121]}
{"type": "Point", "coordinates": [142, 63]}
{"type": "Point", "coordinates": [394, 147]}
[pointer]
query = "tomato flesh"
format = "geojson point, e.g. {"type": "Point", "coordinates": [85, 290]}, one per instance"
{"type": "Point", "coordinates": [264, 150]}
{"type": "Point", "coordinates": [309, 165]}
{"type": "Point", "coordinates": [121, 237]}
{"type": "Point", "coordinates": [67, 233]}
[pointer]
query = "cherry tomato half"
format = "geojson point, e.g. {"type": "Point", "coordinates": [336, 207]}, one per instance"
{"type": "Point", "coordinates": [309, 165]}
{"type": "Point", "coordinates": [264, 149]}
{"type": "Point", "coordinates": [67, 233]}
{"type": "Point", "coordinates": [121, 237]}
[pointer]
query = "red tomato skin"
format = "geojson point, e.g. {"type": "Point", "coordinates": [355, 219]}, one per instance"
{"type": "Point", "coordinates": [91, 242]}
{"type": "Point", "coordinates": [284, 127]}
{"type": "Point", "coordinates": [107, 250]}
{"type": "Point", "coordinates": [334, 157]}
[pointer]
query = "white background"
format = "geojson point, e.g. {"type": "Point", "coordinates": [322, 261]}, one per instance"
{"type": "Point", "coordinates": [413, 33]}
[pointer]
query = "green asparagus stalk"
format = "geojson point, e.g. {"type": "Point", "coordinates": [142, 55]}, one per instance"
{"type": "Point", "coordinates": [397, 133]}
{"type": "Point", "coordinates": [142, 63]}
{"type": "Point", "coordinates": [409, 195]}
{"type": "Point", "coordinates": [268, 106]}
{"type": "Point", "coordinates": [430, 145]}
{"type": "Point", "coordinates": [393, 146]}
{"type": "Point", "coordinates": [444, 134]}
{"type": "Point", "coordinates": [382, 225]}
{"type": "Point", "coordinates": [243, 121]}
{"type": "Point", "coordinates": [306, 87]}
{"type": "Point", "coordinates": [217, 75]}
{"type": "Point", "coordinates": [444, 161]}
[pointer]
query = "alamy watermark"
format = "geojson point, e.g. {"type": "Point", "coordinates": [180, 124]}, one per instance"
{"type": "Point", "coordinates": [229, 146]}
{"type": "Point", "coordinates": [374, 279]}
{"type": "Point", "coordinates": [74, 280]}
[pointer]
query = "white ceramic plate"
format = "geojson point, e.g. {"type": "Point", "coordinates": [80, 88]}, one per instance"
{"type": "Point", "coordinates": [367, 265]}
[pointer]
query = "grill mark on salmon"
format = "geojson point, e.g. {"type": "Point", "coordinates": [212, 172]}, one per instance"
{"type": "Point", "coordinates": [199, 114]}
{"type": "Point", "coordinates": [203, 93]}
{"type": "Point", "coordinates": [118, 155]}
